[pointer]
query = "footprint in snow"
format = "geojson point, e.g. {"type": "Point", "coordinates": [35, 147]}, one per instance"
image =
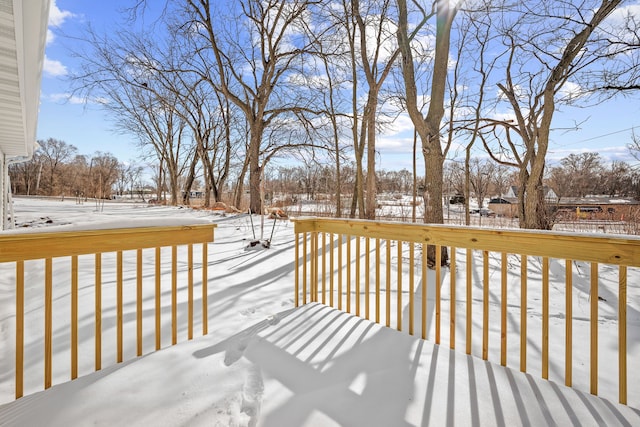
{"type": "Point", "coordinates": [248, 311]}
{"type": "Point", "coordinates": [252, 391]}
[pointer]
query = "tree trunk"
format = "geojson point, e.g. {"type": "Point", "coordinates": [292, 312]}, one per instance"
{"type": "Point", "coordinates": [338, 189]}
{"type": "Point", "coordinates": [467, 185]}
{"type": "Point", "coordinates": [240, 185]}
{"type": "Point", "coordinates": [535, 211]}
{"type": "Point", "coordinates": [255, 173]}
{"type": "Point", "coordinates": [206, 174]}
{"type": "Point", "coordinates": [173, 182]}
{"type": "Point", "coordinates": [428, 127]}
{"type": "Point", "coordinates": [358, 190]}
{"type": "Point", "coordinates": [433, 186]}
{"type": "Point", "coordinates": [186, 193]}
{"type": "Point", "coordinates": [370, 209]}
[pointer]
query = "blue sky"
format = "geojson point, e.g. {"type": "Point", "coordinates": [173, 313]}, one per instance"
{"type": "Point", "coordinates": [605, 128]}
{"type": "Point", "coordinates": [65, 118]}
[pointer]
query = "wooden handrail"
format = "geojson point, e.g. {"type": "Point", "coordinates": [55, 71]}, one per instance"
{"type": "Point", "coordinates": [20, 248]}
{"type": "Point", "coordinates": [602, 249]}
{"type": "Point", "coordinates": [597, 250]}
{"type": "Point", "coordinates": [26, 246]}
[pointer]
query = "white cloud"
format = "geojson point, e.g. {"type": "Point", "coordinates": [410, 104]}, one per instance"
{"type": "Point", "coordinates": [67, 98]}
{"type": "Point", "coordinates": [54, 68]}
{"type": "Point", "coordinates": [621, 14]}
{"type": "Point", "coordinates": [401, 124]}
{"type": "Point", "coordinates": [57, 16]}
{"type": "Point", "coordinates": [570, 91]}
{"type": "Point", "coordinates": [50, 36]}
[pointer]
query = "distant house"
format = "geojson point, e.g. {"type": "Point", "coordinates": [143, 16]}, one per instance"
{"type": "Point", "coordinates": [572, 208]}
{"type": "Point", "coordinates": [507, 204]}
{"type": "Point", "coordinates": [596, 207]}
{"type": "Point", "coordinates": [549, 194]}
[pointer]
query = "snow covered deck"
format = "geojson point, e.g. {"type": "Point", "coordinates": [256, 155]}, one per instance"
{"type": "Point", "coordinates": [312, 366]}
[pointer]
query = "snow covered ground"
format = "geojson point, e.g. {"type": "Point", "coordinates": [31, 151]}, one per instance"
{"type": "Point", "coordinates": [265, 364]}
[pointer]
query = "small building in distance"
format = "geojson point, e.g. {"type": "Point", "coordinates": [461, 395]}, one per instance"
{"type": "Point", "coordinates": [604, 208]}
{"type": "Point", "coordinates": [596, 207]}
{"type": "Point", "coordinates": [507, 204]}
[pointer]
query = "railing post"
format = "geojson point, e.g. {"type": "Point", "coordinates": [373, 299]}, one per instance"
{"type": "Point", "coordinates": [452, 299]}
{"type": "Point", "coordinates": [594, 329]}
{"type": "Point", "coordinates": [378, 280]}
{"type": "Point", "coordinates": [469, 323]}
{"type": "Point", "coordinates": [545, 318]}
{"type": "Point", "coordinates": [424, 291]}
{"type": "Point", "coordinates": [98, 311]}
{"type": "Point", "coordinates": [158, 306]}
{"type": "Point", "coordinates": [314, 267]}
{"type": "Point", "coordinates": [622, 333]}
{"type": "Point", "coordinates": [296, 298]}
{"type": "Point", "coordinates": [205, 280]}
{"type": "Point", "coordinates": [190, 292]}
{"type": "Point", "coordinates": [331, 276]}
{"type": "Point", "coordinates": [304, 268]}
{"type": "Point", "coordinates": [388, 277]}
{"type": "Point", "coordinates": [523, 313]}
{"type": "Point", "coordinates": [74, 317]}
{"type": "Point", "coordinates": [174, 295]}
{"type": "Point", "coordinates": [503, 309]}
{"type": "Point", "coordinates": [485, 305]}
{"type": "Point", "coordinates": [324, 268]}
{"type": "Point", "coordinates": [438, 289]}
{"type": "Point", "coordinates": [348, 278]}
{"type": "Point", "coordinates": [139, 302]}
{"type": "Point", "coordinates": [357, 281]}
{"type": "Point", "coordinates": [569, 324]}
{"type": "Point", "coordinates": [119, 301]}
{"type": "Point", "coordinates": [411, 286]}
{"type": "Point", "coordinates": [340, 239]}
{"type": "Point", "coordinates": [399, 280]}
{"type": "Point", "coordinates": [367, 278]}
{"type": "Point", "coordinates": [48, 322]}
{"type": "Point", "coordinates": [19, 328]}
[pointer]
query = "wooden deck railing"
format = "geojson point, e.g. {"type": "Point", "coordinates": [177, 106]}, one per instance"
{"type": "Point", "coordinates": [330, 271]}
{"type": "Point", "coordinates": [115, 255]}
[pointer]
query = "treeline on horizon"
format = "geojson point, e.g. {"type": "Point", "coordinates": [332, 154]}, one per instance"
{"type": "Point", "coordinates": [57, 169]}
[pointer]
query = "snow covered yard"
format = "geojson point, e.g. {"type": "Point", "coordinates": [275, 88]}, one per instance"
{"type": "Point", "coordinates": [264, 363]}
{"type": "Point", "coordinates": [314, 366]}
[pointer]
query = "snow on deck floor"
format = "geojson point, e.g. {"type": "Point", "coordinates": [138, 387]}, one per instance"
{"type": "Point", "coordinates": [312, 366]}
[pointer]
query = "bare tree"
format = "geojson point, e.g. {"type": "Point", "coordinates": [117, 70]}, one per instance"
{"type": "Point", "coordinates": [54, 153]}
{"type": "Point", "coordinates": [428, 126]}
{"type": "Point", "coordinates": [206, 113]}
{"type": "Point", "coordinates": [103, 175]}
{"type": "Point", "coordinates": [455, 178]}
{"type": "Point", "coordinates": [621, 74]}
{"type": "Point", "coordinates": [357, 125]}
{"type": "Point", "coordinates": [24, 175]}
{"type": "Point", "coordinates": [617, 180]}
{"type": "Point", "coordinates": [115, 71]}
{"type": "Point", "coordinates": [256, 47]}
{"type": "Point", "coordinates": [634, 145]}
{"type": "Point", "coordinates": [474, 35]}
{"type": "Point", "coordinates": [500, 180]}
{"type": "Point", "coordinates": [330, 51]}
{"type": "Point", "coordinates": [549, 45]}
{"type": "Point", "coordinates": [377, 65]}
{"type": "Point", "coordinates": [481, 173]}
{"type": "Point", "coordinates": [132, 175]}
{"type": "Point", "coordinates": [583, 172]}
